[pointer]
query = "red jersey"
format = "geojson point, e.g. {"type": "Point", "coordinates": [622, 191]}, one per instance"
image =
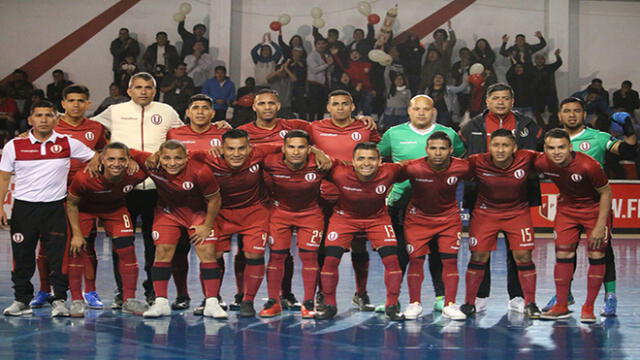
{"type": "Point", "coordinates": [98, 195]}
{"type": "Point", "coordinates": [276, 135]}
{"type": "Point", "coordinates": [187, 189]}
{"type": "Point", "coordinates": [364, 200]}
{"type": "Point", "coordinates": [434, 192]}
{"type": "Point", "coordinates": [502, 189]}
{"type": "Point", "coordinates": [89, 132]}
{"type": "Point", "coordinates": [294, 190]}
{"type": "Point", "coordinates": [338, 142]}
{"type": "Point", "coordinates": [197, 141]}
{"type": "Point", "coordinates": [577, 181]}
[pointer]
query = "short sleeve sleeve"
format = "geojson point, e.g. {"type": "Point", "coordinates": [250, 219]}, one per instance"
{"type": "Point", "coordinates": [7, 162]}
{"type": "Point", "coordinates": [80, 151]}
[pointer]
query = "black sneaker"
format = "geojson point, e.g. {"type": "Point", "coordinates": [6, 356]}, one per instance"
{"type": "Point", "coordinates": [319, 302]}
{"type": "Point", "coordinates": [532, 311]}
{"type": "Point", "coordinates": [181, 303]}
{"type": "Point", "coordinates": [246, 309]}
{"type": "Point", "coordinates": [392, 312]}
{"type": "Point", "coordinates": [117, 302]}
{"type": "Point", "coordinates": [329, 312]}
{"type": "Point", "coordinates": [199, 310]}
{"type": "Point", "coordinates": [235, 305]}
{"type": "Point", "coordinates": [223, 305]}
{"type": "Point", "coordinates": [362, 302]}
{"type": "Point", "coordinates": [289, 302]}
{"type": "Point", "coordinates": [468, 309]}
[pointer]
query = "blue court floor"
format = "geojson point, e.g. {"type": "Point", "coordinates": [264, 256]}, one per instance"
{"type": "Point", "coordinates": [494, 335]}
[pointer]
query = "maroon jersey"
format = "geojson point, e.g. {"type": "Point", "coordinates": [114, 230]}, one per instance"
{"type": "Point", "coordinates": [434, 192]}
{"type": "Point", "coordinates": [89, 132]}
{"type": "Point", "coordinates": [185, 190]}
{"type": "Point", "coordinates": [577, 181]}
{"type": "Point", "coordinates": [502, 189]}
{"type": "Point", "coordinates": [276, 135]}
{"type": "Point", "coordinates": [197, 141]}
{"type": "Point", "coordinates": [364, 200]}
{"type": "Point", "coordinates": [293, 190]}
{"type": "Point", "coordinates": [338, 142]}
{"type": "Point", "coordinates": [98, 195]}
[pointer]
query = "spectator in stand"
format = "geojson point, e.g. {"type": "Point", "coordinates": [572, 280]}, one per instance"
{"type": "Point", "coordinates": [54, 89]}
{"type": "Point", "coordinates": [543, 87]}
{"type": "Point", "coordinates": [177, 89]}
{"type": "Point", "coordinates": [521, 51]}
{"type": "Point", "coordinates": [265, 56]}
{"type": "Point", "coordinates": [161, 58]}
{"type": "Point", "coordinates": [190, 39]}
{"type": "Point", "coordinates": [359, 71]}
{"type": "Point", "coordinates": [483, 53]}
{"type": "Point", "coordinates": [222, 90]}
{"type": "Point", "coordinates": [434, 64]}
{"type": "Point", "coordinates": [594, 86]}
{"type": "Point", "coordinates": [398, 99]}
{"type": "Point", "coordinates": [597, 110]}
{"type": "Point", "coordinates": [411, 52]}
{"type": "Point", "coordinates": [21, 89]}
{"type": "Point", "coordinates": [295, 42]}
{"type": "Point", "coordinates": [199, 64]}
{"type": "Point", "coordinates": [333, 41]}
{"type": "Point", "coordinates": [445, 100]}
{"type": "Point", "coordinates": [128, 68]}
{"type": "Point", "coordinates": [626, 99]}
{"type": "Point", "coordinates": [298, 66]}
{"type": "Point", "coordinates": [120, 48]}
{"type": "Point", "coordinates": [344, 83]}
{"type": "Point", "coordinates": [282, 80]}
{"type": "Point", "coordinates": [9, 115]}
{"type": "Point", "coordinates": [444, 43]}
{"type": "Point", "coordinates": [519, 77]}
{"type": "Point", "coordinates": [319, 67]}
{"type": "Point", "coordinates": [458, 70]}
{"type": "Point", "coordinates": [360, 42]}
{"type": "Point", "coordinates": [115, 97]}
{"type": "Point", "coordinates": [243, 106]}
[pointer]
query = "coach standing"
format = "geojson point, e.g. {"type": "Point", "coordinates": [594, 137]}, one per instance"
{"type": "Point", "coordinates": [41, 163]}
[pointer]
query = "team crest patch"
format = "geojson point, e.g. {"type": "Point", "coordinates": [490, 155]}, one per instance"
{"type": "Point", "coordinates": [519, 174]}
{"type": "Point", "coordinates": [156, 119]}
{"type": "Point", "coordinates": [271, 240]}
{"type": "Point", "coordinates": [409, 248]}
{"type": "Point", "coordinates": [356, 136]}
{"type": "Point", "coordinates": [283, 133]}
{"type": "Point", "coordinates": [254, 169]}
{"type": "Point", "coordinates": [56, 148]}
{"type": "Point", "coordinates": [89, 136]}
{"type": "Point", "coordinates": [155, 235]}
{"type": "Point", "coordinates": [17, 238]}
{"type": "Point", "coordinates": [585, 146]}
{"type": "Point", "coordinates": [576, 177]}
{"type": "Point", "coordinates": [310, 177]}
{"type": "Point", "coordinates": [381, 189]}
{"type": "Point", "coordinates": [333, 236]}
{"type": "Point", "coordinates": [127, 188]}
{"type": "Point", "coordinates": [452, 180]}
{"type": "Point", "coordinates": [187, 185]}
{"type": "Point", "coordinates": [215, 142]}
{"type": "Point", "coordinates": [473, 241]}
{"type": "Point", "coordinates": [524, 132]}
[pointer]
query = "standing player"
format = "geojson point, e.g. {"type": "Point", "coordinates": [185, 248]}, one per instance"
{"type": "Point", "coordinates": [75, 102]}
{"type": "Point", "coordinates": [103, 198]}
{"type": "Point", "coordinates": [584, 205]}
{"type": "Point", "coordinates": [188, 202]}
{"type": "Point", "coordinates": [433, 216]}
{"type": "Point", "coordinates": [596, 144]}
{"type": "Point", "coordinates": [502, 206]}
{"type": "Point", "coordinates": [361, 208]}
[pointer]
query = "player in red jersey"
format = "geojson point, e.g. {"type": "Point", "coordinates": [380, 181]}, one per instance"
{"type": "Point", "coordinates": [75, 101]}
{"type": "Point", "coordinates": [188, 202]}
{"type": "Point", "coordinates": [433, 215]}
{"type": "Point", "coordinates": [338, 136]}
{"type": "Point", "coordinates": [295, 184]}
{"type": "Point", "coordinates": [361, 208]}
{"type": "Point", "coordinates": [584, 205]}
{"type": "Point", "coordinates": [102, 198]}
{"type": "Point", "coordinates": [502, 206]}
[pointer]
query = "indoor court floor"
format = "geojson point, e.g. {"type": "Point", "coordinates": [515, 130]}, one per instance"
{"type": "Point", "coordinates": [493, 335]}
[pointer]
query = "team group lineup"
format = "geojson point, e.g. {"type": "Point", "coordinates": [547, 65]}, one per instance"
{"type": "Point", "coordinates": [200, 185]}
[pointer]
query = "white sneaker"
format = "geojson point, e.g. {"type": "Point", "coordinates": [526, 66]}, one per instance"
{"type": "Point", "coordinates": [17, 308]}
{"type": "Point", "coordinates": [481, 304]}
{"type": "Point", "coordinates": [159, 308]}
{"type": "Point", "coordinates": [78, 308]}
{"type": "Point", "coordinates": [414, 310]}
{"type": "Point", "coordinates": [517, 304]}
{"type": "Point", "coordinates": [452, 311]}
{"type": "Point", "coordinates": [59, 309]}
{"type": "Point", "coordinates": [213, 309]}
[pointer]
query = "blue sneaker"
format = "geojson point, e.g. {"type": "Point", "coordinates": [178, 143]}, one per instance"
{"type": "Point", "coordinates": [610, 305]}
{"type": "Point", "coordinates": [40, 300]}
{"type": "Point", "coordinates": [552, 302]}
{"type": "Point", "coordinates": [93, 300]}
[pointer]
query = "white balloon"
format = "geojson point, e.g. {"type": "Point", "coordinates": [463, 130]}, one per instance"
{"type": "Point", "coordinates": [476, 68]}
{"type": "Point", "coordinates": [364, 8]}
{"type": "Point", "coordinates": [318, 23]}
{"type": "Point", "coordinates": [185, 8]}
{"type": "Point", "coordinates": [385, 59]}
{"type": "Point", "coordinates": [284, 19]}
{"type": "Point", "coordinates": [316, 13]}
{"type": "Point", "coordinates": [376, 55]}
{"type": "Point", "coordinates": [178, 17]}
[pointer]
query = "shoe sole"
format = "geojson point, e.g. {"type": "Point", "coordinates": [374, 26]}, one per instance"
{"type": "Point", "coordinates": [410, 317]}
{"type": "Point", "coordinates": [588, 320]}
{"type": "Point", "coordinates": [266, 316]}
{"type": "Point", "coordinates": [533, 317]}
{"type": "Point", "coordinates": [221, 317]}
{"type": "Point", "coordinates": [558, 317]}
{"type": "Point", "coordinates": [95, 307]}
{"type": "Point", "coordinates": [76, 315]}
{"type": "Point", "coordinates": [308, 316]}
{"type": "Point", "coordinates": [456, 318]}
{"type": "Point", "coordinates": [398, 319]}
{"type": "Point", "coordinates": [21, 313]}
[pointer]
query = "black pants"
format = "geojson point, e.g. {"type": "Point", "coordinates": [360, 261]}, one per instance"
{"type": "Point", "coordinates": [31, 221]}
{"type": "Point", "coordinates": [513, 282]}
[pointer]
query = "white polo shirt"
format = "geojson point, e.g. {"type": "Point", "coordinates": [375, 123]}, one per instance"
{"type": "Point", "coordinates": [140, 128]}
{"type": "Point", "coordinates": [41, 168]}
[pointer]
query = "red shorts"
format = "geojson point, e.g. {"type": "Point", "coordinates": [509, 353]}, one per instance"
{"type": "Point", "coordinates": [570, 222]}
{"type": "Point", "coordinates": [485, 226]}
{"type": "Point", "coordinates": [308, 225]}
{"type": "Point", "coordinates": [420, 229]}
{"type": "Point", "coordinates": [116, 223]}
{"type": "Point", "coordinates": [171, 227]}
{"type": "Point", "coordinates": [251, 222]}
{"type": "Point", "coordinates": [342, 229]}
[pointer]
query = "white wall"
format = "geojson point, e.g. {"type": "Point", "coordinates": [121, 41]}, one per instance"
{"type": "Point", "coordinates": [606, 40]}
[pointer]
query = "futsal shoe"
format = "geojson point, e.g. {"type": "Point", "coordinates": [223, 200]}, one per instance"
{"type": "Point", "coordinates": [453, 312]}
{"type": "Point", "coordinates": [289, 302]}
{"type": "Point", "coordinates": [17, 308]}
{"type": "Point", "coordinates": [182, 302]}
{"type": "Point", "coordinates": [41, 299]}
{"type": "Point", "coordinates": [247, 309]}
{"type": "Point", "coordinates": [517, 304]}
{"type": "Point", "coordinates": [363, 302]}
{"type": "Point", "coordinates": [414, 310]}
{"type": "Point", "coordinates": [438, 305]}
{"type": "Point", "coordinates": [59, 309]}
{"type": "Point", "coordinates": [481, 304]}
{"type": "Point", "coordinates": [271, 308]}
{"type": "Point", "coordinates": [532, 311]}
{"type": "Point", "coordinates": [235, 305]}
{"type": "Point", "coordinates": [159, 308]}
{"type": "Point", "coordinates": [77, 308]}
{"type": "Point", "coordinates": [468, 309]}
{"type": "Point", "coordinates": [213, 309]}
{"type": "Point", "coordinates": [380, 308]}
{"type": "Point", "coordinates": [329, 313]}
{"type": "Point", "coordinates": [610, 305]}
{"type": "Point", "coordinates": [552, 302]}
{"type": "Point", "coordinates": [133, 306]}
{"type": "Point", "coordinates": [117, 301]}
{"type": "Point", "coordinates": [319, 302]}
{"type": "Point", "coordinates": [199, 310]}
{"type": "Point", "coordinates": [392, 312]}
{"type": "Point", "coordinates": [587, 315]}
{"type": "Point", "coordinates": [306, 310]}
{"type": "Point", "coordinates": [93, 300]}
{"type": "Point", "coordinates": [556, 312]}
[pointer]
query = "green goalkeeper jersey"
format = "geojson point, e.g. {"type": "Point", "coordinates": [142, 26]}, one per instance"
{"type": "Point", "coordinates": [594, 143]}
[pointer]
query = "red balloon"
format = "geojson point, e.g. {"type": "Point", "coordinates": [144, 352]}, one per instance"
{"type": "Point", "coordinates": [275, 25]}
{"type": "Point", "coordinates": [373, 18]}
{"type": "Point", "coordinates": [476, 80]}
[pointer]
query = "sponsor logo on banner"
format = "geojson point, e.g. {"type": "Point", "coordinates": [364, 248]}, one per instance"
{"type": "Point", "coordinates": [156, 119]}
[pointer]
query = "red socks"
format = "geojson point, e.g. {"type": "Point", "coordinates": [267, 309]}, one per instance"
{"type": "Point", "coordinates": [128, 269]}
{"type": "Point", "coordinates": [415, 277]}
{"type": "Point", "coordinates": [475, 274]}
{"type": "Point", "coordinates": [161, 273]}
{"type": "Point", "coordinates": [392, 278]}
{"type": "Point", "coordinates": [210, 277]}
{"type": "Point", "coordinates": [562, 274]}
{"type": "Point", "coordinates": [275, 274]}
{"type": "Point", "coordinates": [253, 274]}
{"type": "Point", "coordinates": [329, 277]}
{"type": "Point", "coordinates": [595, 277]}
{"type": "Point", "coordinates": [450, 278]}
{"type": "Point", "coordinates": [527, 276]}
{"type": "Point", "coordinates": [76, 273]}
{"type": "Point", "coordinates": [309, 273]}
